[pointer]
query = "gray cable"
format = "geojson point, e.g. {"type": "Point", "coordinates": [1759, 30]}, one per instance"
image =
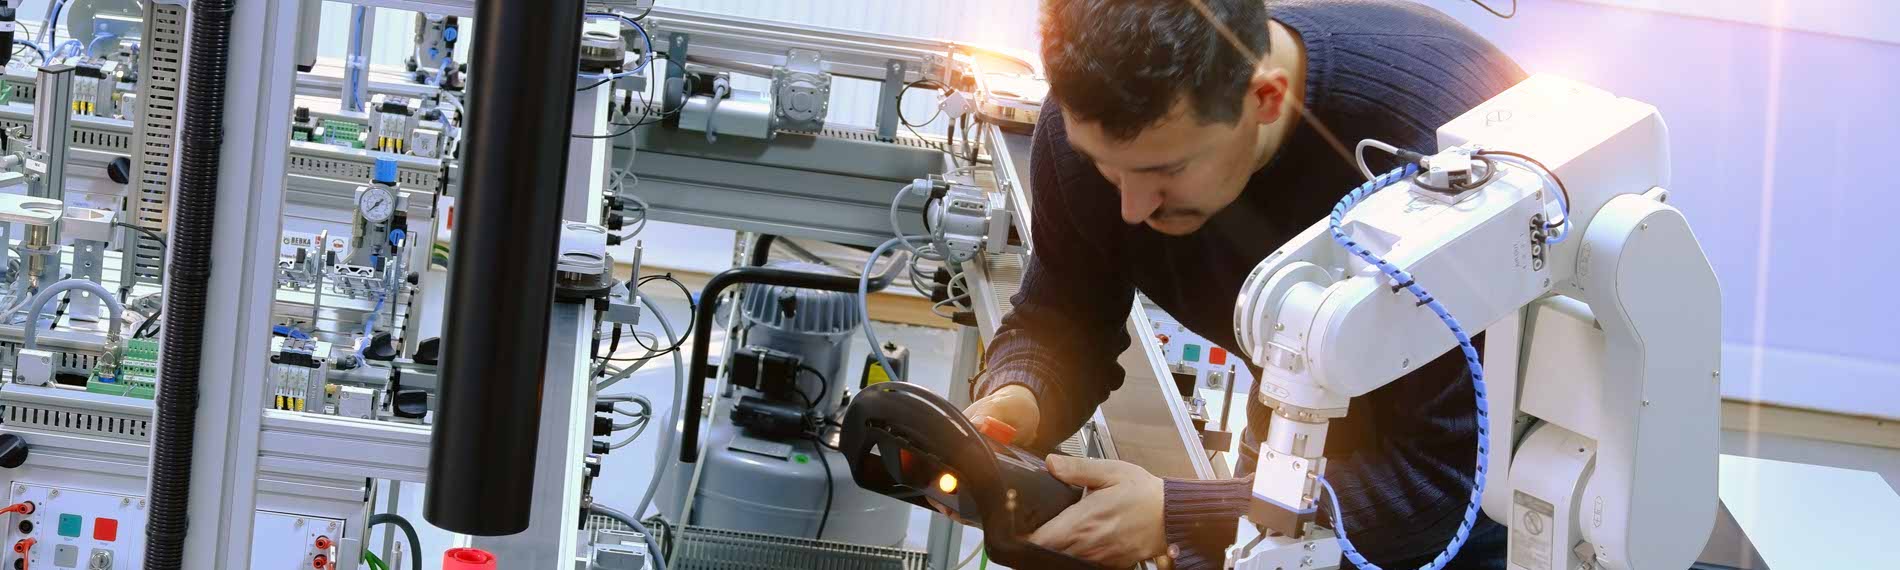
{"type": "Point", "coordinates": [1359, 154]}
{"type": "Point", "coordinates": [38, 303]}
{"type": "Point", "coordinates": [661, 450]}
{"type": "Point", "coordinates": [640, 418]}
{"type": "Point", "coordinates": [968, 557]}
{"type": "Point", "coordinates": [632, 438]}
{"type": "Point", "coordinates": [864, 303]}
{"type": "Point", "coordinates": [624, 373]}
{"type": "Point", "coordinates": [653, 543]}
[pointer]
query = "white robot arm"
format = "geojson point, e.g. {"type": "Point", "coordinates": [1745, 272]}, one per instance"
{"type": "Point", "coordinates": [1603, 319]}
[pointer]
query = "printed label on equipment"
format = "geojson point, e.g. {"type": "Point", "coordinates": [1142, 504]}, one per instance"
{"type": "Point", "coordinates": [761, 447]}
{"type": "Point", "coordinates": [1532, 537]}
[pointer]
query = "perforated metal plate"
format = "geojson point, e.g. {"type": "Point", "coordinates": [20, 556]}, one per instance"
{"type": "Point", "coordinates": [708, 549]}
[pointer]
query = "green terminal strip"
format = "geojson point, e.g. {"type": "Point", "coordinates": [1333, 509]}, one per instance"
{"type": "Point", "coordinates": [342, 133]}
{"type": "Point", "coordinates": [138, 372]}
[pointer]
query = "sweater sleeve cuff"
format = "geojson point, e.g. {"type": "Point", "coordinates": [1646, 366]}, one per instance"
{"type": "Point", "coordinates": [1042, 382]}
{"type": "Point", "coordinates": [1200, 516]}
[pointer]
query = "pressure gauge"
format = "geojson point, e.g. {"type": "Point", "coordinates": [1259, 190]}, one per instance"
{"type": "Point", "coordinates": [376, 203]}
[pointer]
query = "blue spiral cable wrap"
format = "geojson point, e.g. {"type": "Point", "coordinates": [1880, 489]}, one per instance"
{"type": "Point", "coordinates": [1471, 360]}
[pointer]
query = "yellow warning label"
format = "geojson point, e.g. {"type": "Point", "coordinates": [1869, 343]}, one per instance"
{"type": "Point", "coordinates": [876, 375]}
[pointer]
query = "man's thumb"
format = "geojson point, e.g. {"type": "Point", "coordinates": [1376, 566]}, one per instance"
{"type": "Point", "coordinates": [1082, 472]}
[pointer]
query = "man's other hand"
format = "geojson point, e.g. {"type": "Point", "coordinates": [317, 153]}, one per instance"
{"type": "Point", "coordinates": [1012, 406]}
{"type": "Point", "coordinates": [1117, 524]}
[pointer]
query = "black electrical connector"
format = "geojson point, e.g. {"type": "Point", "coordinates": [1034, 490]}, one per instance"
{"type": "Point", "coordinates": [769, 419]}
{"type": "Point", "coordinates": [771, 372]}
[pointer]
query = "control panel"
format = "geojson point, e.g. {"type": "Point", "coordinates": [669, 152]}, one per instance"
{"type": "Point", "coordinates": [283, 541]}
{"type": "Point", "coordinates": [74, 528]}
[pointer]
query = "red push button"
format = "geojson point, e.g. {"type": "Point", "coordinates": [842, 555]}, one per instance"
{"type": "Point", "coordinates": [1217, 356]}
{"type": "Point", "coordinates": [105, 529]}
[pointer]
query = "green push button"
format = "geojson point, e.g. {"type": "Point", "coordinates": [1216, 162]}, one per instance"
{"type": "Point", "coordinates": [69, 525]}
{"type": "Point", "coordinates": [1190, 353]}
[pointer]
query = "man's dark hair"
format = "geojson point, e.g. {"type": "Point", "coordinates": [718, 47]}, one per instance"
{"type": "Point", "coordinates": [1124, 63]}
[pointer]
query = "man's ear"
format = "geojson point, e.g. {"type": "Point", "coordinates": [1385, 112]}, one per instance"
{"type": "Point", "coordinates": [1267, 92]}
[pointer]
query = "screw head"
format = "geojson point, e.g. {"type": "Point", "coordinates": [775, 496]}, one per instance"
{"type": "Point", "coordinates": [1407, 363]}
{"type": "Point", "coordinates": [298, 524]}
{"type": "Point", "coordinates": [54, 494]}
{"type": "Point", "coordinates": [18, 489]}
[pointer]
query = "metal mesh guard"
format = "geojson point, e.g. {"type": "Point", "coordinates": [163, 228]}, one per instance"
{"type": "Point", "coordinates": [709, 549]}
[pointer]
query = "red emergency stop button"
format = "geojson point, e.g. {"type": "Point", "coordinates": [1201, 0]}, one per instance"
{"type": "Point", "coordinates": [1217, 356]}
{"type": "Point", "coordinates": [104, 529]}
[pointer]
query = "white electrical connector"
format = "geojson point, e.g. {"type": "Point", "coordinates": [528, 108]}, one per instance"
{"type": "Point", "coordinates": [1448, 165]}
{"type": "Point", "coordinates": [356, 402]}
{"type": "Point", "coordinates": [34, 367]}
{"type": "Point", "coordinates": [955, 106]}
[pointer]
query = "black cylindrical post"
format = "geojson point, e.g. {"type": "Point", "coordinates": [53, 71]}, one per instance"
{"type": "Point", "coordinates": [501, 270]}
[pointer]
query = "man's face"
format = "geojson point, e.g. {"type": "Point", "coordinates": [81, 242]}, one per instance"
{"type": "Point", "coordinates": [1177, 174]}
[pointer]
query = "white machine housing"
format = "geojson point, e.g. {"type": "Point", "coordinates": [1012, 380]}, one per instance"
{"type": "Point", "coordinates": [1602, 353]}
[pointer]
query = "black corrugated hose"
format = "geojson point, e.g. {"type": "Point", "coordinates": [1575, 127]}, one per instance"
{"type": "Point", "coordinates": [189, 271]}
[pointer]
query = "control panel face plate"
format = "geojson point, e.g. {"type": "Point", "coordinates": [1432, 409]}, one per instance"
{"type": "Point", "coordinates": [283, 541]}
{"type": "Point", "coordinates": [76, 528]}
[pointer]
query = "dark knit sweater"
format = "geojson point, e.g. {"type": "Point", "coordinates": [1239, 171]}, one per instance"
{"type": "Point", "coordinates": [1402, 458]}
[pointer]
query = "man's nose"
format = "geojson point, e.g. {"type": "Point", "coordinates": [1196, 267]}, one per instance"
{"type": "Point", "coordinates": [1139, 200]}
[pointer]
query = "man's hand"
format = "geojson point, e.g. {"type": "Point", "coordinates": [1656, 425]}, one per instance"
{"type": "Point", "coordinates": [1013, 406]}
{"type": "Point", "coordinates": [1117, 524]}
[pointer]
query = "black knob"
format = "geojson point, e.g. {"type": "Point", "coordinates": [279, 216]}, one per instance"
{"type": "Point", "coordinates": [599, 447]}
{"type": "Point", "coordinates": [411, 404]}
{"type": "Point", "coordinates": [120, 170]}
{"type": "Point", "coordinates": [428, 351]}
{"type": "Point", "coordinates": [603, 425]}
{"type": "Point", "coordinates": [381, 347]}
{"type": "Point", "coordinates": [12, 451]}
